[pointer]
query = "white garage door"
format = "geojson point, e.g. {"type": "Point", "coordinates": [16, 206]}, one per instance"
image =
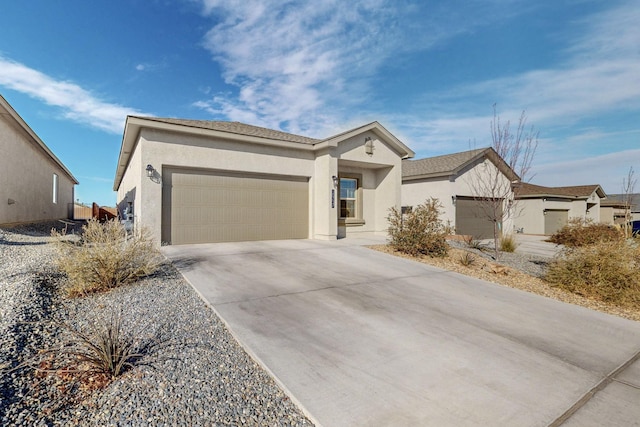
{"type": "Point", "coordinates": [212, 206]}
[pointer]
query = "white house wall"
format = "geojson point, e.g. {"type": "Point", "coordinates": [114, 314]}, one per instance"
{"type": "Point", "coordinates": [26, 174]}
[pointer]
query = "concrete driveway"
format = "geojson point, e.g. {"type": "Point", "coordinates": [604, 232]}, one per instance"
{"type": "Point", "coordinates": [361, 338]}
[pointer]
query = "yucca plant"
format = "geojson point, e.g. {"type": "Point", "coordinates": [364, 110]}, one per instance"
{"type": "Point", "coordinates": [106, 348]}
{"type": "Point", "coordinates": [467, 259]}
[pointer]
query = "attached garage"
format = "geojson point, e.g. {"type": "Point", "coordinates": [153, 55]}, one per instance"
{"type": "Point", "coordinates": [554, 220]}
{"type": "Point", "coordinates": [209, 206]}
{"type": "Point", "coordinates": [471, 218]}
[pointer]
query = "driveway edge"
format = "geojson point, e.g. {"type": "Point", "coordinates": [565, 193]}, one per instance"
{"type": "Point", "coordinates": [251, 354]}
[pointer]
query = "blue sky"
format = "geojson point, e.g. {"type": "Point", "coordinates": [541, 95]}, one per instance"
{"type": "Point", "coordinates": [429, 71]}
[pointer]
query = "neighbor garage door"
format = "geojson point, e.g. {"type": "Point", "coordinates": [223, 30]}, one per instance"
{"type": "Point", "coordinates": [471, 219]}
{"type": "Point", "coordinates": [209, 206]}
{"type": "Point", "coordinates": [554, 220]}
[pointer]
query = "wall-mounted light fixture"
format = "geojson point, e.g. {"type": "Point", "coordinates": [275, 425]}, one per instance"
{"type": "Point", "coordinates": [368, 145]}
{"type": "Point", "coordinates": [453, 200]}
{"type": "Point", "coordinates": [335, 180]}
{"type": "Point", "coordinates": [150, 171]}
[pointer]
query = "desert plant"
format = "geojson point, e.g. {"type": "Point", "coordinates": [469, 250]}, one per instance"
{"type": "Point", "coordinates": [420, 231]}
{"type": "Point", "coordinates": [105, 257]}
{"type": "Point", "coordinates": [508, 243]}
{"type": "Point", "coordinates": [105, 349]}
{"type": "Point", "coordinates": [580, 232]}
{"type": "Point", "coordinates": [606, 271]}
{"type": "Point", "coordinates": [467, 259]}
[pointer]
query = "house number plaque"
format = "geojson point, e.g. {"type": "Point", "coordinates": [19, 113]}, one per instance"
{"type": "Point", "coordinates": [333, 199]}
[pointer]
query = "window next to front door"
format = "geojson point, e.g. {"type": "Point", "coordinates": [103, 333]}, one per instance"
{"type": "Point", "coordinates": [351, 200]}
{"type": "Point", "coordinates": [348, 199]}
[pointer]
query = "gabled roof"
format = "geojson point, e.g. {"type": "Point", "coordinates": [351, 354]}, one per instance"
{"type": "Point", "coordinates": [620, 200]}
{"type": "Point", "coordinates": [451, 164]}
{"type": "Point", "coordinates": [236, 128]}
{"type": "Point", "coordinates": [526, 190]}
{"type": "Point", "coordinates": [7, 112]}
{"type": "Point", "coordinates": [240, 132]}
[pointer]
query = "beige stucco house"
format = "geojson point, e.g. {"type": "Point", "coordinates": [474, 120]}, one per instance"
{"type": "Point", "coordinates": [35, 185]}
{"type": "Point", "coordinates": [191, 181]}
{"type": "Point", "coordinates": [544, 210]}
{"type": "Point", "coordinates": [459, 181]}
{"type": "Point", "coordinates": [618, 208]}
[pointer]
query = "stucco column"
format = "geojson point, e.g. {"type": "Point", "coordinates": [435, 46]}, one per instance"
{"type": "Point", "coordinates": [325, 197]}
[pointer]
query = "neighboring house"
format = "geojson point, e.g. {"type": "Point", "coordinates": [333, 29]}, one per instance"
{"type": "Point", "coordinates": [453, 179]}
{"type": "Point", "coordinates": [191, 181]}
{"type": "Point", "coordinates": [35, 185]}
{"type": "Point", "coordinates": [545, 210]}
{"type": "Point", "coordinates": [615, 208]}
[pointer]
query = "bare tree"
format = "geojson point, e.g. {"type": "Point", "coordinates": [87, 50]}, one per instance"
{"type": "Point", "coordinates": [628, 186]}
{"type": "Point", "coordinates": [493, 183]}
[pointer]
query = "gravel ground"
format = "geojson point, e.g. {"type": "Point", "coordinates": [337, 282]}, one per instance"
{"type": "Point", "coordinates": [192, 371]}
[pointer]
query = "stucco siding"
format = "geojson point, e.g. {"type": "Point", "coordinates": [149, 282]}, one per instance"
{"type": "Point", "coordinates": [26, 173]}
{"type": "Point", "coordinates": [381, 179]}
{"type": "Point", "coordinates": [164, 149]}
{"type": "Point", "coordinates": [415, 192]}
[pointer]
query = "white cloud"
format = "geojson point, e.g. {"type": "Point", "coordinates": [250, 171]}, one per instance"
{"type": "Point", "coordinates": [600, 75]}
{"type": "Point", "coordinates": [608, 170]}
{"type": "Point", "coordinates": [306, 66]}
{"type": "Point", "coordinates": [77, 104]}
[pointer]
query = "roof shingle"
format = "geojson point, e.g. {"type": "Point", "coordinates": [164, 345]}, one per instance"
{"type": "Point", "coordinates": [439, 165]}
{"type": "Point", "coordinates": [237, 128]}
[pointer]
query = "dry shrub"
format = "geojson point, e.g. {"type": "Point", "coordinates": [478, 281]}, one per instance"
{"type": "Point", "coordinates": [105, 257]}
{"type": "Point", "coordinates": [581, 233]}
{"type": "Point", "coordinates": [467, 259]}
{"type": "Point", "coordinates": [420, 231]}
{"type": "Point", "coordinates": [508, 243]}
{"type": "Point", "coordinates": [605, 271]}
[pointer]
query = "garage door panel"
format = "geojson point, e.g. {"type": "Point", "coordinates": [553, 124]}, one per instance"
{"type": "Point", "coordinates": [209, 206]}
{"type": "Point", "coordinates": [471, 219]}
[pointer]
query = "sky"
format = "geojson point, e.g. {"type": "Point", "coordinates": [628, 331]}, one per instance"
{"type": "Point", "coordinates": [429, 71]}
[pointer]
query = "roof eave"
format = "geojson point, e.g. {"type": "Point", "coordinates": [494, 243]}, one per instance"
{"type": "Point", "coordinates": [404, 151]}
{"type": "Point", "coordinates": [134, 125]}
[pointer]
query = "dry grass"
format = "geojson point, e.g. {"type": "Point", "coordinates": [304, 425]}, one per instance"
{"type": "Point", "coordinates": [105, 257]}
{"type": "Point", "coordinates": [606, 271]}
{"type": "Point", "coordinates": [582, 233]}
{"type": "Point", "coordinates": [508, 243]}
{"type": "Point", "coordinates": [496, 273]}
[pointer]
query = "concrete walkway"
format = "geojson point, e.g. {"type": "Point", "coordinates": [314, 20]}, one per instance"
{"type": "Point", "coordinates": [532, 244]}
{"type": "Point", "coordinates": [362, 338]}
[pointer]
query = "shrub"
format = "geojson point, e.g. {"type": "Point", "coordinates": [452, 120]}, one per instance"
{"type": "Point", "coordinates": [105, 257]}
{"type": "Point", "coordinates": [104, 349]}
{"type": "Point", "coordinates": [420, 231]}
{"type": "Point", "coordinates": [580, 233]}
{"type": "Point", "coordinates": [467, 259]}
{"type": "Point", "coordinates": [606, 271]}
{"type": "Point", "coordinates": [508, 243]}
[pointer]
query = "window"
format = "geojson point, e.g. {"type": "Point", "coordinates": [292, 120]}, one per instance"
{"type": "Point", "coordinates": [55, 188]}
{"type": "Point", "coordinates": [348, 197]}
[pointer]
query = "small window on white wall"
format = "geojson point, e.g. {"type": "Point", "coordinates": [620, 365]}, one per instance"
{"type": "Point", "coordinates": [55, 188]}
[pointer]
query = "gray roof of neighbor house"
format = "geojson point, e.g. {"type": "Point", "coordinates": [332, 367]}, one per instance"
{"type": "Point", "coordinates": [241, 132]}
{"type": "Point", "coordinates": [7, 112]}
{"type": "Point", "coordinates": [621, 199]}
{"type": "Point", "coordinates": [452, 164]}
{"type": "Point", "coordinates": [527, 190]}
